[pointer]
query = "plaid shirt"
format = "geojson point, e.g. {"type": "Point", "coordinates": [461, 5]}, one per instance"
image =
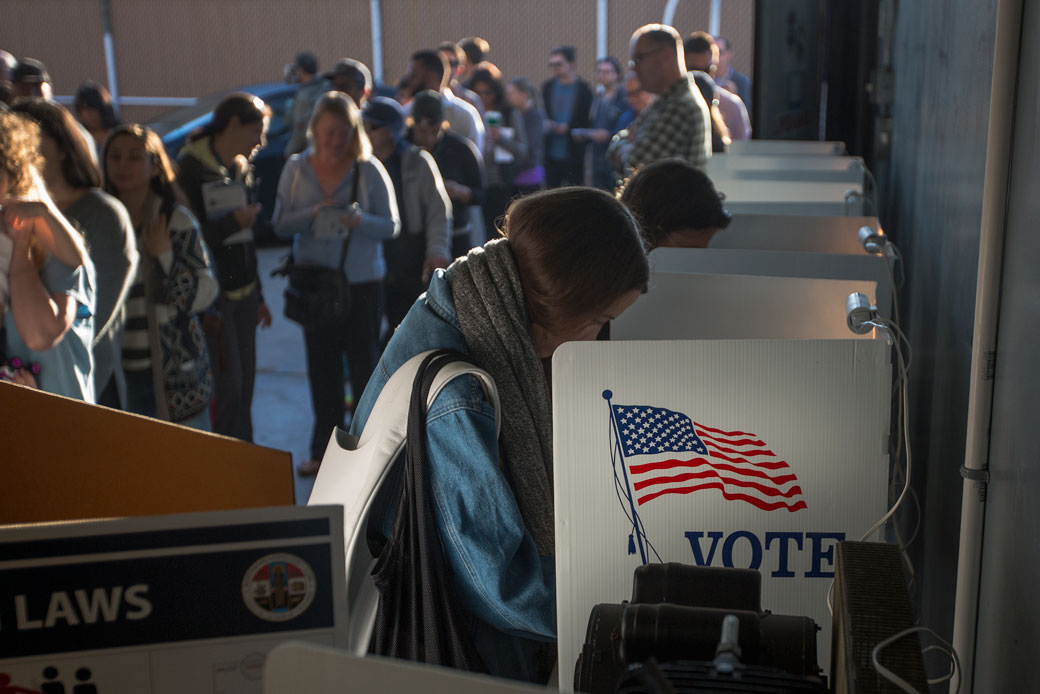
{"type": "Point", "coordinates": [676, 125]}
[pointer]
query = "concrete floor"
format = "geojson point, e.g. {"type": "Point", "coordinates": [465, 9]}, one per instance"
{"type": "Point", "coordinates": [282, 416]}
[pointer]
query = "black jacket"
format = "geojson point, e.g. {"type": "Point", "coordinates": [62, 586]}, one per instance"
{"type": "Point", "coordinates": [579, 114]}
{"type": "Point", "coordinates": [235, 262]}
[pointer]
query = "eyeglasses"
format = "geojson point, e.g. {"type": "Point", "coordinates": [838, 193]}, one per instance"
{"type": "Point", "coordinates": [556, 63]}
{"type": "Point", "coordinates": [640, 57]}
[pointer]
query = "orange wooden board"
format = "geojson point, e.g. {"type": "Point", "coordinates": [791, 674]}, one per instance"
{"type": "Point", "coordinates": [62, 459]}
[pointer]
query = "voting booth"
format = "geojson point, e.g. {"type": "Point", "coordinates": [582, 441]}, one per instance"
{"type": "Point", "coordinates": [794, 168]}
{"type": "Point", "coordinates": [759, 454]}
{"type": "Point", "coordinates": [809, 233]}
{"type": "Point", "coordinates": [687, 306]}
{"type": "Point", "coordinates": [785, 147]}
{"type": "Point", "coordinates": [66, 460]}
{"type": "Point", "coordinates": [167, 604]}
{"type": "Point", "coordinates": [295, 668]}
{"type": "Point", "coordinates": [793, 197]}
{"type": "Point", "coordinates": [835, 266]}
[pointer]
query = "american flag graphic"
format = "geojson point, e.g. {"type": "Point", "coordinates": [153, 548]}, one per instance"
{"type": "Point", "coordinates": [666, 452]}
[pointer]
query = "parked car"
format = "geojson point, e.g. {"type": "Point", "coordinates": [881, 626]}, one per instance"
{"type": "Point", "coordinates": [175, 125]}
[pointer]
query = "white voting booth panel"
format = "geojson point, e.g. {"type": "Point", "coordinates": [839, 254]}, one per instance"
{"type": "Point", "coordinates": [819, 234]}
{"type": "Point", "coordinates": [774, 147]}
{"type": "Point", "coordinates": [784, 162]}
{"type": "Point", "coordinates": [686, 306]}
{"type": "Point", "coordinates": [167, 604]}
{"type": "Point", "coordinates": [759, 454]}
{"type": "Point", "coordinates": [778, 264]}
{"type": "Point", "coordinates": [303, 668]}
{"type": "Point", "coordinates": [792, 197]}
{"type": "Point", "coordinates": [850, 170]}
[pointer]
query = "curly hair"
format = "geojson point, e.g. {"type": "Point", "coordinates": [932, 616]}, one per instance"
{"type": "Point", "coordinates": [20, 156]}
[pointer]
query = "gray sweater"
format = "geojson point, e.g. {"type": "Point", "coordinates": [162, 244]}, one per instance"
{"type": "Point", "coordinates": [112, 245]}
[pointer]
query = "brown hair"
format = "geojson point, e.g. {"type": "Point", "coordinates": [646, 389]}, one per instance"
{"type": "Point", "coordinates": [577, 250]}
{"type": "Point", "coordinates": [671, 195]}
{"type": "Point", "coordinates": [164, 183]}
{"type": "Point", "coordinates": [55, 121]}
{"type": "Point", "coordinates": [343, 107]}
{"type": "Point", "coordinates": [20, 156]}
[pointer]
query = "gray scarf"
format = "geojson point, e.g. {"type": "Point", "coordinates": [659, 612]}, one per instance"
{"type": "Point", "coordinates": [489, 300]}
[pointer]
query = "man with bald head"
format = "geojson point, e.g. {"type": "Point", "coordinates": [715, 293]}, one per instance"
{"type": "Point", "coordinates": [678, 123]}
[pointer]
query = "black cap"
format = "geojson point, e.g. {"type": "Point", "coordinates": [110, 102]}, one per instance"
{"type": "Point", "coordinates": [306, 61]}
{"type": "Point", "coordinates": [427, 104]}
{"type": "Point", "coordinates": [382, 111]}
{"type": "Point", "coordinates": [30, 70]}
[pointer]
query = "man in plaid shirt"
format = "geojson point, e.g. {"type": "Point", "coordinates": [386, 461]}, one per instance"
{"type": "Point", "coordinates": [678, 123]}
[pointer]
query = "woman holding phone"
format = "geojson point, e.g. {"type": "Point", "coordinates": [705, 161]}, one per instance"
{"type": "Point", "coordinates": [217, 176]}
{"type": "Point", "coordinates": [333, 228]}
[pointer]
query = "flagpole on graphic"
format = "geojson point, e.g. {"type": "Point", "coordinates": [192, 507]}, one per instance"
{"type": "Point", "coordinates": [607, 395]}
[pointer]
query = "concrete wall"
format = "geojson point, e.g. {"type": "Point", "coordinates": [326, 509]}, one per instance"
{"type": "Point", "coordinates": [932, 208]}
{"type": "Point", "coordinates": [194, 47]}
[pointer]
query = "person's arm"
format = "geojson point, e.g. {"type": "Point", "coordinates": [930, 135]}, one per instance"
{"type": "Point", "coordinates": [115, 260]}
{"type": "Point", "coordinates": [290, 219]}
{"type": "Point", "coordinates": [214, 231]}
{"type": "Point", "coordinates": [496, 569]}
{"type": "Point", "coordinates": [436, 212]}
{"type": "Point", "coordinates": [299, 116]}
{"type": "Point", "coordinates": [41, 318]}
{"type": "Point", "coordinates": [43, 219]}
{"type": "Point", "coordinates": [472, 173]}
{"type": "Point", "coordinates": [379, 219]}
{"type": "Point", "coordinates": [516, 145]}
{"type": "Point", "coordinates": [187, 282]}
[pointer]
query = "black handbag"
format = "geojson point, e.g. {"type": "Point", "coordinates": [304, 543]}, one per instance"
{"type": "Point", "coordinates": [317, 295]}
{"type": "Point", "coordinates": [418, 617]}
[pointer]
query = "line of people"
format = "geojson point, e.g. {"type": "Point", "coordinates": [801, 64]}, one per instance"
{"type": "Point", "coordinates": [153, 268]}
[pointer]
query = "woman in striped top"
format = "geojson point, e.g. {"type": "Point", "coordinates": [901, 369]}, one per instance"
{"type": "Point", "coordinates": [164, 350]}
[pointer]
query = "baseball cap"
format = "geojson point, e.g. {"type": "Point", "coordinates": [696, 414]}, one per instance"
{"type": "Point", "coordinates": [348, 67]}
{"type": "Point", "coordinates": [427, 104]}
{"type": "Point", "coordinates": [383, 111]}
{"type": "Point", "coordinates": [30, 70]}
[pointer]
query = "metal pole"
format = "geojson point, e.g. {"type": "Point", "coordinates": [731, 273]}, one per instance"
{"type": "Point", "coordinates": [715, 18]}
{"type": "Point", "coordinates": [984, 344]}
{"type": "Point", "coordinates": [377, 40]}
{"type": "Point", "coordinates": [110, 54]}
{"type": "Point", "coordinates": [669, 12]}
{"type": "Point", "coordinates": [601, 29]}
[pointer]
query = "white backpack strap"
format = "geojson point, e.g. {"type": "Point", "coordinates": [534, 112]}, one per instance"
{"type": "Point", "coordinates": [353, 476]}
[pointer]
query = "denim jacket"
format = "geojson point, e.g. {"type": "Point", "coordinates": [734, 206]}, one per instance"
{"type": "Point", "coordinates": [499, 578]}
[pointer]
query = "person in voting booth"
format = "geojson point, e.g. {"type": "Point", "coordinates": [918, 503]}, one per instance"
{"type": "Point", "coordinates": [338, 225]}
{"type": "Point", "coordinates": [571, 260]}
{"type": "Point", "coordinates": [164, 349]}
{"type": "Point", "coordinates": [216, 175]}
{"type": "Point", "coordinates": [46, 276]}
{"type": "Point", "coordinates": [74, 181]}
{"type": "Point", "coordinates": [676, 204]}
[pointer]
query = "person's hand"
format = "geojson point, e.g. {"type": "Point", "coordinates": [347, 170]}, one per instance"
{"type": "Point", "coordinates": [156, 237]}
{"type": "Point", "coordinates": [22, 377]}
{"type": "Point", "coordinates": [432, 263]}
{"type": "Point", "coordinates": [263, 315]}
{"type": "Point", "coordinates": [561, 128]}
{"type": "Point", "coordinates": [495, 132]}
{"type": "Point", "coordinates": [351, 220]}
{"type": "Point", "coordinates": [245, 217]}
{"type": "Point", "coordinates": [19, 216]}
{"type": "Point", "coordinates": [457, 192]}
{"type": "Point", "coordinates": [327, 202]}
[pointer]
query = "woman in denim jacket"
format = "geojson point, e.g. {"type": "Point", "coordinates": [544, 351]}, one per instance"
{"type": "Point", "coordinates": [572, 259]}
{"type": "Point", "coordinates": [320, 177]}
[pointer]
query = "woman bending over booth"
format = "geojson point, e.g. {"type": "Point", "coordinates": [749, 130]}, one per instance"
{"type": "Point", "coordinates": [571, 260]}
